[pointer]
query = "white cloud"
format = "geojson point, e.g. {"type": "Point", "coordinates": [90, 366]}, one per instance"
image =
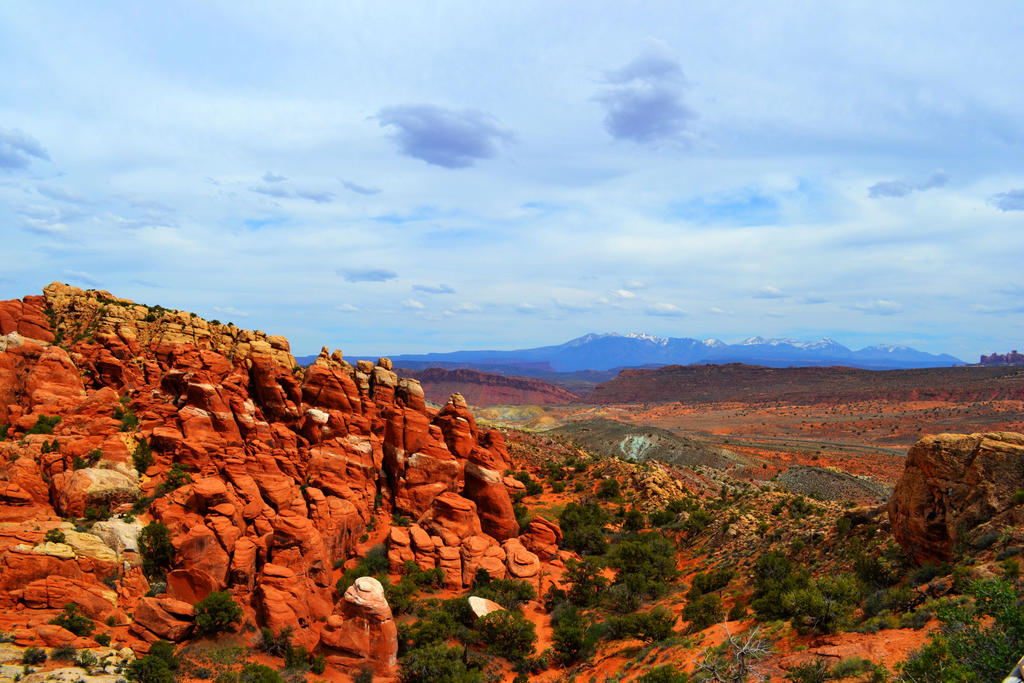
{"type": "Point", "coordinates": [413, 304]}
{"type": "Point", "coordinates": [880, 307]}
{"type": "Point", "coordinates": [769, 292]}
{"type": "Point", "coordinates": [665, 309]}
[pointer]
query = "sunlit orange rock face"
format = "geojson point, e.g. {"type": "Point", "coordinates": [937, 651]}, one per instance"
{"type": "Point", "coordinates": [955, 489]}
{"type": "Point", "coordinates": [287, 468]}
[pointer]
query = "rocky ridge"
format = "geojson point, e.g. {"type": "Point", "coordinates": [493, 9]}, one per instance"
{"type": "Point", "coordinates": [286, 470]}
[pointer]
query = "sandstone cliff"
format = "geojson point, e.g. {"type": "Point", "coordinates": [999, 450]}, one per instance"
{"type": "Point", "coordinates": [266, 475]}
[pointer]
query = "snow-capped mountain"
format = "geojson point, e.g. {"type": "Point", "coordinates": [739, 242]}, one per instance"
{"type": "Point", "coordinates": [611, 350]}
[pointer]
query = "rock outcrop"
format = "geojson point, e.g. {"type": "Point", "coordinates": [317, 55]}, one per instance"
{"type": "Point", "coordinates": [362, 631]}
{"type": "Point", "coordinates": [955, 488]}
{"type": "Point", "coordinates": [266, 475]}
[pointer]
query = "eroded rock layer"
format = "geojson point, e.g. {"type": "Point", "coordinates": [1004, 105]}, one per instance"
{"type": "Point", "coordinates": [265, 474]}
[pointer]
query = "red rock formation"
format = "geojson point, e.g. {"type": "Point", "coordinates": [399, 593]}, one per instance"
{"type": "Point", "coordinates": [487, 389]}
{"type": "Point", "coordinates": [951, 486]}
{"type": "Point", "coordinates": [542, 537]}
{"type": "Point", "coordinates": [287, 469]}
{"type": "Point", "coordinates": [362, 631]}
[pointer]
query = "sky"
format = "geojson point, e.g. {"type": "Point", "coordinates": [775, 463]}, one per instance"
{"type": "Point", "coordinates": [408, 177]}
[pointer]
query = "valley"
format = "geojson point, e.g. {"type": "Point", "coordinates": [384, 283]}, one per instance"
{"type": "Point", "coordinates": [182, 500]}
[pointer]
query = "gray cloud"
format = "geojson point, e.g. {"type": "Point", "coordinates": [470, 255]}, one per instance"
{"type": "Point", "coordinates": [1009, 201]}
{"type": "Point", "coordinates": [315, 196]}
{"type": "Point", "coordinates": [901, 188]}
{"type": "Point", "coordinates": [367, 274]}
{"type": "Point", "coordinates": [444, 137]}
{"type": "Point", "coordinates": [270, 177]}
{"type": "Point", "coordinates": [17, 149]}
{"type": "Point", "coordinates": [643, 100]}
{"type": "Point", "coordinates": [440, 289]}
{"type": "Point", "coordinates": [359, 189]}
{"type": "Point", "coordinates": [284, 192]}
{"type": "Point", "coordinates": [271, 191]}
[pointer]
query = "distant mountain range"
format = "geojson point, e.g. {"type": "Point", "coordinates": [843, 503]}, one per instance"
{"type": "Point", "coordinates": [603, 352]}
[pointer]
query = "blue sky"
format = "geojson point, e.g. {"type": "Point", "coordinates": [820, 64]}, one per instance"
{"type": "Point", "coordinates": [411, 177]}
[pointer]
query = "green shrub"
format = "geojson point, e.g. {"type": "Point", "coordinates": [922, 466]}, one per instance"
{"type": "Point", "coordinates": [275, 646]}
{"type": "Point", "coordinates": [622, 598]}
{"type": "Point", "coordinates": [216, 613]}
{"type": "Point", "coordinates": [1011, 568]}
{"type": "Point", "coordinates": [646, 563]}
{"type": "Point", "coordinates": [824, 606]}
{"type": "Point", "coordinates": [651, 627]}
{"type": "Point", "coordinates": [704, 611]}
{"type": "Point", "coordinates": [175, 477]}
{"type": "Point", "coordinates": [296, 658]}
{"type": "Point", "coordinates": [66, 653]}
{"type": "Point", "coordinates": [811, 672]}
{"type": "Point", "coordinates": [165, 651]}
{"type": "Point", "coordinates": [258, 673]}
{"type": "Point", "coordinates": [875, 570]}
{"type": "Point", "coordinates": [156, 549]}
{"type": "Point", "coordinates": [151, 670]}
{"type": "Point", "coordinates": [102, 639]}
{"type": "Point", "coordinates": [587, 585]}
{"type": "Point", "coordinates": [3, 432]}
{"type": "Point", "coordinates": [609, 489]}
{"type": "Point", "coordinates": [95, 513]}
{"type": "Point", "coordinates": [533, 488]}
{"type": "Point", "coordinates": [699, 520]}
{"type": "Point", "coordinates": [660, 518]}
{"type": "Point", "coordinates": [710, 582]}
{"type": "Point", "coordinates": [664, 674]}
{"type": "Point", "coordinates": [507, 634]}
{"type": "Point", "coordinates": [85, 659]}
{"type": "Point", "coordinates": [634, 520]}
{"type": "Point", "coordinates": [737, 612]}
{"type": "Point", "coordinates": [774, 575]}
{"type": "Point", "coordinates": [54, 536]}
{"type": "Point", "coordinates": [583, 528]}
{"type": "Point", "coordinates": [73, 620]}
{"type": "Point", "coordinates": [509, 593]}
{"type": "Point", "coordinates": [572, 638]}
{"type": "Point", "coordinates": [319, 664]}
{"type": "Point", "coordinates": [851, 666]}
{"type": "Point", "coordinates": [33, 656]}
{"type": "Point", "coordinates": [44, 424]}
{"type": "Point", "coordinates": [142, 458]}
{"type": "Point", "coordinates": [129, 420]}
{"type": "Point", "coordinates": [1018, 496]}
{"type": "Point", "coordinates": [437, 664]}
{"type": "Point", "coordinates": [980, 640]}
{"type": "Point", "coordinates": [373, 563]}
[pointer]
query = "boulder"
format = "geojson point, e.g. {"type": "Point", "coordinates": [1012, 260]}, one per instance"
{"type": "Point", "coordinates": [452, 513]}
{"type": "Point", "coordinates": [482, 606]}
{"type": "Point", "coordinates": [952, 484]}
{"type": "Point", "coordinates": [542, 537]}
{"type": "Point", "coordinates": [362, 632]}
{"type": "Point", "coordinates": [76, 490]}
{"type": "Point", "coordinates": [520, 562]}
{"type": "Point", "coordinates": [163, 617]}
